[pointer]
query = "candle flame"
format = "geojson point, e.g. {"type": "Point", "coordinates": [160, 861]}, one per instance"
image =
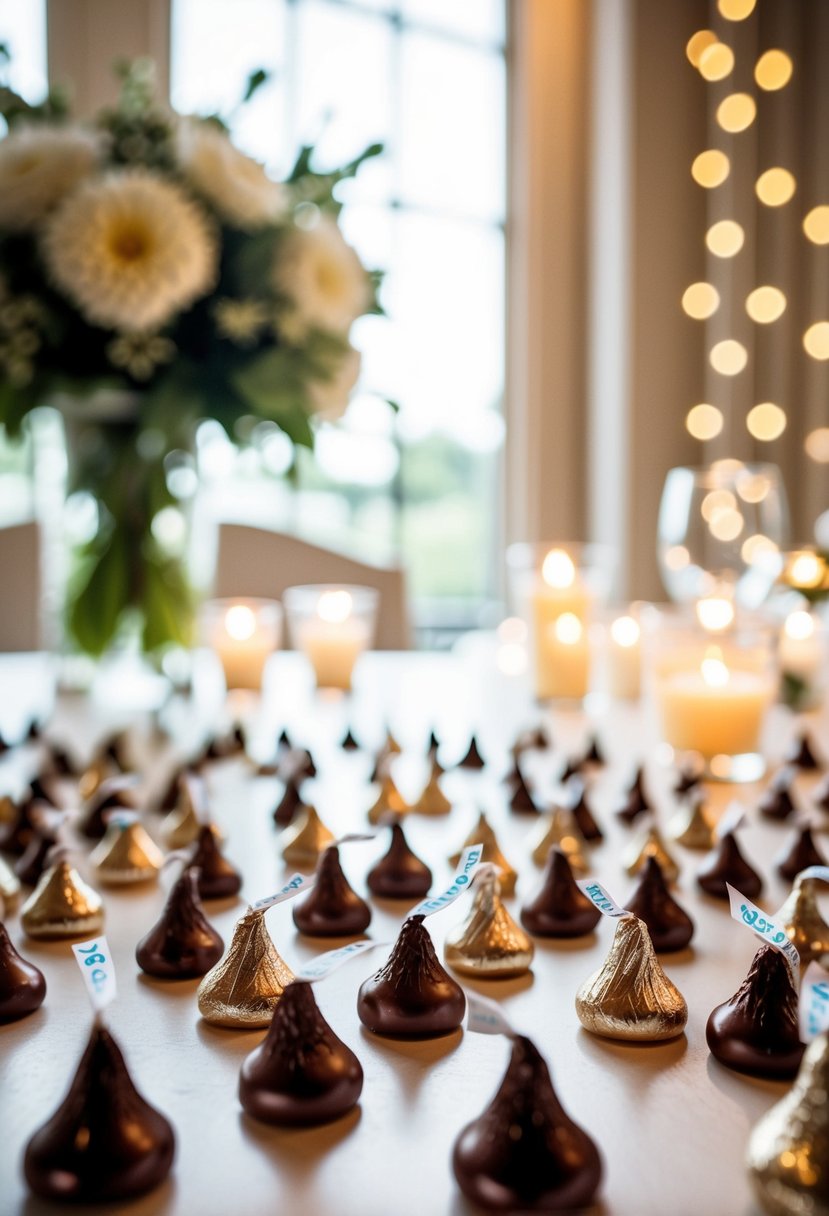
{"type": "Point", "coordinates": [558, 569]}
{"type": "Point", "coordinates": [714, 673]}
{"type": "Point", "coordinates": [334, 607]}
{"type": "Point", "coordinates": [799, 625]}
{"type": "Point", "coordinates": [806, 570]}
{"type": "Point", "coordinates": [625, 631]}
{"type": "Point", "coordinates": [568, 628]}
{"type": "Point", "coordinates": [715, 613]}
{"type": "Point", "coordinates": [240, 622]}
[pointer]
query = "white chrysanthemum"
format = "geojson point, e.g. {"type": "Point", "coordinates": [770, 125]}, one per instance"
{"type": "Point", "coordinates": [38, 167]}
{"type": "Point", "coordinates": [241, 321]}
{"type": "Point", "coordinates": [323, 277]}
{"type": "Point", "coordinates": [131, 250]}
{"type": "Point", "coordinates": [236, 185]}
{"type": "Point", "coordinates": [329, 398]}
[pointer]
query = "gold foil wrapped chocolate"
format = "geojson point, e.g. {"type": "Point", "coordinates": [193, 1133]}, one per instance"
{"type": "Point", "coordinates": [483, 834]}
{"type": "Point", "coordinates": [489, 944]}
{"type": "Point", "coordinates": [127, 854]}
{"type": "Point", "coordinates": [559, 828]}
{"type": "Point", "coordinates": [801, 918]}
{"type": "Point", "coordinates": [181, 827]}
{"type": "Point", "coordinates": [99, 769]}
{"type": "Point", "coordinates": [389, 799]}
{"type": "Point", "coordinates": [9, 889]}
{"type": "Point", "coordinates": [690, 827]}
{"type": "Point", "coordinates": [62, 905]}
{"type": "Point", "coordinates": [243, 989]}
{"type": "Point", "coordinates": [630, 996]}
{"type": "Point", "coordinates": [651, 844]}
{"type": "Point", "coordinates": [788, 1150]}
{"type": "Point", "coordinates": [304, 842]}
{"type": "Point", "coordinates": [432, 801]}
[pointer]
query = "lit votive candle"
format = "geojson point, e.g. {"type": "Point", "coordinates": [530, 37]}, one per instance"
{"type": "Point", "coordinates": [332, 626]}
{"type": "Point", "coordinates": [624, 659]}
{"type": "Point", "coordinates": [243, 634]}
{"type": "Point", "coordinates": [801, 655]}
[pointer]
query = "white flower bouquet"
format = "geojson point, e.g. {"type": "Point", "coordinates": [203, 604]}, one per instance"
{"type": "Point", "coordinates": [147, 262]}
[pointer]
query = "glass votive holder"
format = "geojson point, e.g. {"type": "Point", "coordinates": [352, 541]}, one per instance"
{"type": "Point", "coordinates": [802, 653]}
{"type": "Point", "coordinates": [243, 634]}
{"type": "Point", "coordinates": [622, 651]}
{"type": "Point", "coordinates": [332, 626]}
{"type": "Point", "coordinates": [711, 691]}
{"type": "Point", "coordinates": [555, 587]}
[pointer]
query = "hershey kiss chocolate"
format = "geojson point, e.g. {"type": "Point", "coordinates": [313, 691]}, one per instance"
{"type": "Point", "coordinates": [472, 757]}
{"type": "Point", "coordinates": [756, 1031]}
{"type": "Point", "coordinates": [636, 800]}
{"type": "Point", "coordinates": [483, 834]}
{"type": "Point", "coordinates": [62, 905]}
{"type": "Point", "coordinates": [669, 925]}
{"type": "Point", "coordinates": [726, 864]}
{"type": "Point", "coordinates": [801, 853]}
{"type": "Point", "coordinates": [804, 925]}
{"type": "Point", "coordinates": [183, 944]}
{"type": "Point", "coordinates": [304, 841]}
{"type": "Point", "coordinates": [488, 944]}
{"type": "Point", "coordinates": [559, 908]}
{"type": "Point", "coordinates": [22, 986]}
{"type": "Point", "coordinates": [399, 874]}
{"type": "Point", "coordinates": [218, 878]}
{"type": "Point", "coordinates": [244, 987]}
{"type": "Point", "coordinates": [411, 996]}
{"type": "Point", "coordinates": [332, 908]}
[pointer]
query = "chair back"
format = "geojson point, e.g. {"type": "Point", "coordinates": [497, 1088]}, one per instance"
{"type": "Point", "coordinates": [20, 587]}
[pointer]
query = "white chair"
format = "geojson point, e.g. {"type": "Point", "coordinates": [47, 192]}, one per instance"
{"type": "Point", "coordinates": [20, 587]}
{"type": "Point", "coordinates": [258, 562]}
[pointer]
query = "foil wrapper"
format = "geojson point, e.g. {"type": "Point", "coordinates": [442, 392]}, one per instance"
{"type": "Point", "coordinates": [489, 943]}
{"type": "Point", "coordinates": [432, 801]}
{"type": "Point", "coordinates": [804, 924]}
{"type": "Point", "coordinates": [630, 996]}
{"type": "Point", "coordinates": [94, 776]}
{"type": "Point", "coordinates": [9, 889]}
{"type": "Point", "coordinates": [388, 800]}
{"type": "Point", "coordinates": [559, 828]}
{"type": "Point", "coordinates": [127, 854]}
{"type": "Point", "coordinates": [62, 905]}
{"type": "Point", "coordinates": [304, 842]}
{"type": "Point", "coordinates": [181, 827]}
{"type": "Point", "coordinates": [651, 845]}
{"type": "Point", "coordinates": [690, 827]}
{"type": "Point", "coordinates": [243, 989]}
{"type": "Point", "coordinates": [483, 834]}
{"type": "Point", "coordinates": [788, 1150]}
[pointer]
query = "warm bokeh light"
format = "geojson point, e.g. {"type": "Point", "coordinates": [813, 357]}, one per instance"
{"type": "Point", "coordinates": [766, 421]}
{"type": "Point", "coordinates": [512, 630]}
{"type": "Point", "coordinates": [700, 301]}
{"type": "Point", "coordinates": [714, 673]}
{"type": "Point", "coordinates": [765, 304]}
{"type": "Point", "coordinates": [728, 357]}
{"type": "Point", "coordinates": [736, 10]}
{"type": "Point", "coordinates": [334, 607]}
{"type": "Point", "coordinates": [775, 187]}
{"type": "Point", "coordinates": [753, 487]}
{"type": "Point", "coordinates": [816, 225]}
{"type": "Point", "coordinates": [704, 421]}
{"type": "Point", "coordinates": [716, 61]}
{"type": "Point", "coordinates": [725, 238]}
{"type": "Point", "coordinates": [625, 631]}
{"type": "Point", "coordinates": [758, 548]}
{"type": "Point", "coordinates": [710, 168]}
{"type": "Point", "coordinates": [240, 622]}
{"type": "Point", "coordinates": [805, 569]}
{"type": "Point", "coordinates": [729, 466]}
{"type": "Point", "coordinates": [717, 500]}
{"type": "Point", "coordinates": [714, 613]}
{"type": "Point", "coordinates": [799, 625]}
{"type": "Point", "coordinates": [677, 558]}
{"type": "Point", "coordinates": [773, 70]}
{"type": "Point", "coordinates": [816, 340]}
{"type": "Point", "coordinates": [697, 43]}
{"type": "Point", "coordinates": [816, 444]}
{"type": "Point", "coordinates": [736, 112]}
{"type": "Point", "coordinates": [568, 628]}
{"type": "Point", "coordinates": [726, 525]}
{"type": "Point", "coordinates": [558, 569]}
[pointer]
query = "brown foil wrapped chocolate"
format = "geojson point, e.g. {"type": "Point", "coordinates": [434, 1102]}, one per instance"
{"type": "Point", "coordinates": [756, 1030]}
{"type": "Point", "coordinates": [182, 945]}
{"type": "Point", "coordinates": [22, 985]}
{"type": "Point", "coordinates": [332, 908]}
{"type": "Point", "coordinates": [559, 908]}
{"type": "Point", "coordinates": [411, 996]}
{"type": "Point", "coordinates": [726, 864]}
{"type": "Point", "coordinates": [399, 874]}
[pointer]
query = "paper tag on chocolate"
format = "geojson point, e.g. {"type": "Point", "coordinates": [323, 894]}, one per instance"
{"type": "Point", "coordinates": [734, 818]}
{"type": "Point", "coordinates": [468, 864]}
{"type": "Point", "coordinates": [351, 837]}
{"type": "Point", "coordinates": [597, 895]}
{"type": "Point", "coordinates": [121, 819]}
{"type": "Point", "coordinates": [324, 964]}
{"type": "Point", "coordinates": [819, 872]}
{"type": "Point", "coordinates": [766, 928]}
{"type": "Point", "coordinates": [295, 884]}
{"type": "Point", "coordinates": [813, 1011]}
{"type": "Point", "coordinates": [485, 1016]}
{"type": "Point", "coordinates": [197, 793]}
{"type": "Point", "coordinates": [95, 962]}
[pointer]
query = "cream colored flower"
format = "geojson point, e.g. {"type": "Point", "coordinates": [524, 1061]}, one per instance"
{"type": "Point", "coordinates": [131, 250]}
{"type": "Point", "coordinates": [140, 354]}
{"type": "Point", "coordinates": [38, 166]}
{"type": "Point", "coordinates": [242, 321]}
{"type": "Point", "coordinates": [328, 398]}
{"type": "Point", "coordinates": [323, 277]}
{"type": "Point", "coordinates": [236, 185]}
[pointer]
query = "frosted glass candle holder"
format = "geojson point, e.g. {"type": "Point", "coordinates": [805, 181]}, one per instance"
{"type": "Point", "coordinates": [332, 626]}
{"type": "Point", "coordinates": [243, 634]}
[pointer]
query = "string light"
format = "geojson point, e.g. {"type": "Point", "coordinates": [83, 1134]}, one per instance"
{"type": "Point", "coordinates": [697, 43]}
{"type": "Point", "coordinates": [765, 304]}
{"type": "Point", "coordinates": [704, 422]}
{"type": "Point", "coordinates": [775, 187]}
{"type": "Point", "coordinates": [736, 112]}
{"type": "Point", "coordinates": [816, 340]}
{"type": "Point", "coordinates": [716, 61]}
{"type": "Point", "coordinates": [700, 301]}
{"type": "Point", "coordinates": [736, 10]}
{"type": "Point", "coordinates": [766, 421]}
{"type": "Point", "coordinates": [725, 238]}
{"type": "Point", "coordinates": [710, 168]}
{"type": "Point", "coordinates": [773, 70]}
{"type": "Point", "coordinates": [816, 444]}
{"type": "Point", "coordinates": [816, 225]}
{"type": "Point", "coordinates": [728, 357]}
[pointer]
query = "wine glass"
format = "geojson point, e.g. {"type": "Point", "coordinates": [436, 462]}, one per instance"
{"type": "Point", "coordinates": [721, 532]}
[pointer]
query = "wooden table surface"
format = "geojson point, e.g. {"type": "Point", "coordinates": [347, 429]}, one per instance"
{"type": "Point", "coordinates": [670, 1122]}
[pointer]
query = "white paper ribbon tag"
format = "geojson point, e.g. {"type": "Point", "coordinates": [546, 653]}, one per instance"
{"type": "Point", "coordinates": [485, 1016]}
{"type": "Point", "coordinates": [734, 818]}
{"type": "Point", "coordinates": [122, 819]}
{"type": "Point", "coordinates": [351, 837]}
{"type": "Point", "coordinates": [95, 962]}
{"type": "Point", "coordinates": [295, 884]}
{"type": "Point", "coordinates": [819, 872]}
{"type": "Point", "coordinates": [813, 1011]}
{"type": "Point", "coordinates": [468, 864]}
{"type": "Point", "coordinates": [597, 895]}
{"type": "Point", "coordinates": [324, 964]}
{"type": "Point", "coordinates": [197, 793]}
{"type": "Point", "coordinates": [766, 928]}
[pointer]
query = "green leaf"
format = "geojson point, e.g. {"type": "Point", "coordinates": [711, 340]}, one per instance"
{"type": "Point", "coordinates": [255, 82]}
{"type": "Point", "coordinates": [95, 607]}
{"type": "Point", "coordinates": [167, 604]}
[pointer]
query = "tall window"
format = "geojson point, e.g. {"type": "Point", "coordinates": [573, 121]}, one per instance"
{"type": "Point", "coordinates": [427, 79]}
